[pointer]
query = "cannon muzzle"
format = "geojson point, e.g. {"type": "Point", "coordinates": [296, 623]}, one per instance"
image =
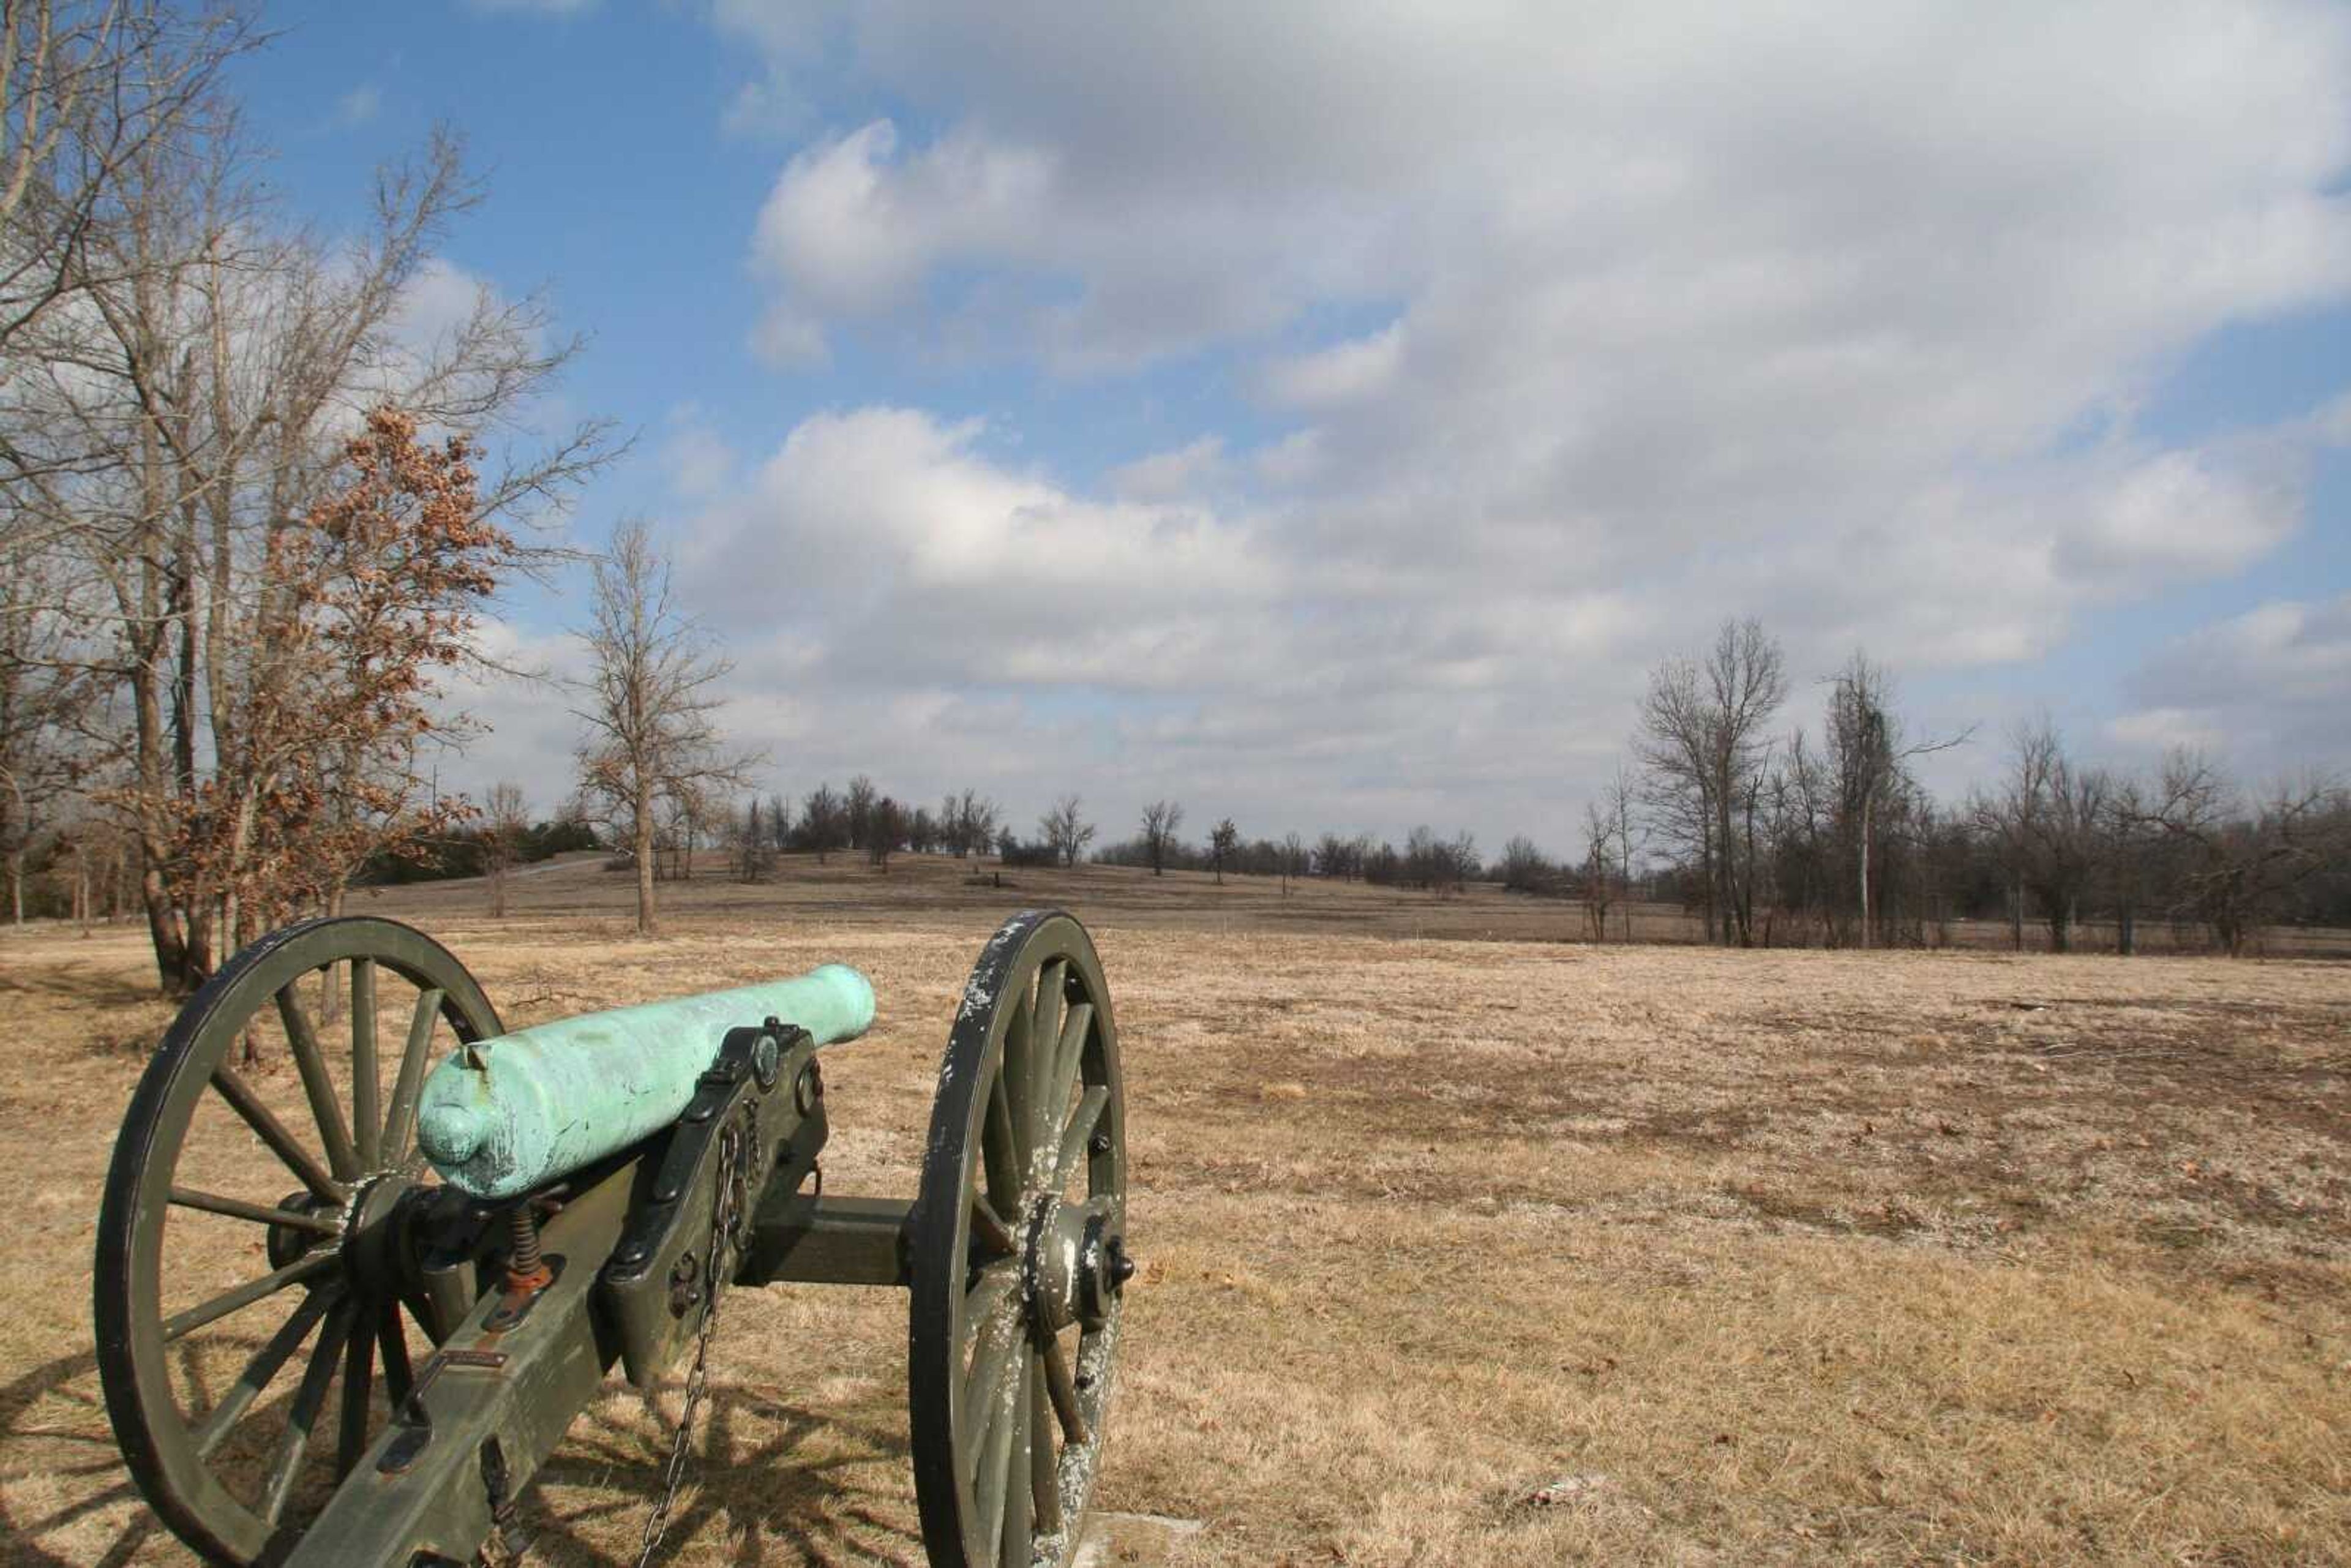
{"type": "Point", "coordinates": [507, 1114]}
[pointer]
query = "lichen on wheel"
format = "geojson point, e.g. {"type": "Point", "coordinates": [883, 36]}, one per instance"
{"type": "Point", "coordinates": [294, 1173]}
{"type": "Point", "coordinates": [1017, 1254]}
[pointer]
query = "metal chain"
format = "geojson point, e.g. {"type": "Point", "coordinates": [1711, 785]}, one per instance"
{"type": "Point", "coordinates": [697, 1376]}
{"type": "Point", "coordinates": [500, 1551]}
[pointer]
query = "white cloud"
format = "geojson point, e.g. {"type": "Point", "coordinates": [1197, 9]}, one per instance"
{"type": "Point", "coordinates": [916, 562]}
{"type": "Point", "coordinates": [360, 105]}
{"type": "Point", "coordinates": [1170, 475]}
{"type": "Point", "coordinates": [850, 228]}
{"type": "Point", "coordinates": [1354, 371]}
{"type": "Point", "coordinates": [524, 730]}
{"type": "Point", "coordinates": [699, 462]}
{"type": "Point", "coordinates": [436, 303]}
{"type": "Point", "coordinates": [2268, 687]}
{"type": "Point", "coordinates": [2161, 729]}
{"type": "Point", "coordinates": [1598, 326]}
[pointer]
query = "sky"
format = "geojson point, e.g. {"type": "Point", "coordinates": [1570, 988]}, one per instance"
{"type": "Point", "coordinates": [1327, 415]}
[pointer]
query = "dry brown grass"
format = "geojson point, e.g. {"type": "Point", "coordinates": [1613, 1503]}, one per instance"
{"type": "Point", "coordinates": [1806, 1256]}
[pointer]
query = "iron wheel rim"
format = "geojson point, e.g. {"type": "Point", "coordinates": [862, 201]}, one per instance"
{"type": "Point", "coordinates": [993, 1384]}
{"type": "Point", "coordinates": [336, 1319]}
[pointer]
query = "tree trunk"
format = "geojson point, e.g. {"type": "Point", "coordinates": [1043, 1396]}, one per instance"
{"type": "Point", "coordinates": [1866, 931]}
{"type": "Point", "coordinates": [1711, 877]}
{"type": "Point", "coordinates": [641, 826]}
{"type": "Point", "coordinates": [164, 929]}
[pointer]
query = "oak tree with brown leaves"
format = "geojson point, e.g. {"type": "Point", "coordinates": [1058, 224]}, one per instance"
{"type": "Point", "coordinates": [329, 666]}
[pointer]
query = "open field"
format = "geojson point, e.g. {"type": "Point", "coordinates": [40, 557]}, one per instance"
{"type": "Point", "coordinates": [1788, 1256]}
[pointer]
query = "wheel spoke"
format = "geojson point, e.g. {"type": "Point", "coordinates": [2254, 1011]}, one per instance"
{"type": "Point", "coordinates": [1064, 1393]}
{"type": "Point", "coordinates": [359, 1365]}
{"type": "Point", "coordinates": [326, 1109]}
{"type": "Point", "coordinates": [1000, 1148]}
{"type": "Point", "coordinates": [366, 1110]}
{"type": "Point", "coordinates": [260, 1213]}
{"type": "Point", "coordinates": [987, 1486]}
{"type": "Point", "coordinates": [989, 1226]}
{"type": "Point", "coordinates": [252, 1291]}
{"type": "Point", "coordinates": [996, 1281]}
{"type": "Point", "coordinates": [1082, 1123]}
{"type": "Point", "coordinates": [1018, 1483]}
{"type": "Point", "coordinates": [1068, 1056]}
{"type": "Point", "coordinates": [1044, 1048]}
{"type": "Point", "coordinates": [400, 1125]}
{"type": "Point", "coordinates": [1015, 1082]}
{"type": "Point", "coordinates": [984, 1389]}
{"type": "Point", "coordinates": [397, 1378]}
{"type": "Point", "coordinates": [258, 1372]}
{"type": "Point", "coordinates": [271, 1131]}
{"type": "Point", "coordinates": [287, 1462]}
{"type": "Point", "coordinates": [1044, 1470]}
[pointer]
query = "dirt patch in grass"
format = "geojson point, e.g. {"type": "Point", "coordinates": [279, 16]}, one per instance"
{"type": "Point", "coordinates": [1805, 1257]}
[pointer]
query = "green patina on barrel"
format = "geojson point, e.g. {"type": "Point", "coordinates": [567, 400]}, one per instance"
{"type": "Point", "coordinates": [505, 1116]}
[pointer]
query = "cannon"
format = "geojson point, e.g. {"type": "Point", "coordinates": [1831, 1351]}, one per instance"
{"type": "Point", "coordinates": [360, 1267]}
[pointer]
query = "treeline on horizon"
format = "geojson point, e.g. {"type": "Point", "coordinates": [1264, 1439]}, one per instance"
{"type": "Point", "coordinates": [1767, 837]}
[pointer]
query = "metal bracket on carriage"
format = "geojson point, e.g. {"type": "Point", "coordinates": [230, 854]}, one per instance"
{"type": "Point", "coordinates": [658, 1275]}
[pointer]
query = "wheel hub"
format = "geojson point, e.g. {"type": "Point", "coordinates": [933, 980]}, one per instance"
{"type": "Point", "coordinates": [371, 1230]}
{"type": "Point", "coordinates": [1075, 1264]}
{"type": "Point", "coordinates": [287, 1244]}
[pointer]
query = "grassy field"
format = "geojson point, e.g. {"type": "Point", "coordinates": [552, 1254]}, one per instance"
{"type": "Point", "coordinates": [1767, 1257]}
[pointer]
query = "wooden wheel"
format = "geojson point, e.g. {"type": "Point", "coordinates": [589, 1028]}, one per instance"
{"type": "Point", "coordinates": [1018, 1254]}
{"type": "Point", "coordinates": [198, 1196]}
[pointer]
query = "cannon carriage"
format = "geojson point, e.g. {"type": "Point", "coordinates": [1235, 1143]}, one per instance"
{"type": "Point", "coordinates": [464, 1229]}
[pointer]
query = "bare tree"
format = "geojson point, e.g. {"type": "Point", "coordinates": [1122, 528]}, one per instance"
{"type": "Point", "coordinates": [885, 830]}
{"type": "Point", "coordinates": [1065, 830]}
{"type": "Point", "coordinates": [505, 822]}
{"type": "Point", "coordinates": [2048, 823]}
{"type": "Point", "coordinates": [1524, 867]}
{"type": "Point", "coordinates": [2243, 860]}
{"type": "Point", "coordinates": [43, 697]}
{"type": "Point", "coordinates": [821, 827]}
{"type": "Point", "coordinates": [650, 701]}
{"type": "Point", "coordinates": [179, 441]}
{"type": "Point", "coordinates": [755, 852]}
{"type": "Point", "coordinates": [1870, 761]}
{"type": "Point", "coordinates": [857, 811]}
{"type": "Point", "coordinates": [1161, 819]}
{"type": "Point", "coordinates": [1600, 872]}
{"type": "Point", "coordinates": [88, 88]}
{"type": "Point", "coordinates": [1223, 840]}
{"type": "Point", "coordinates": [1336, 855]}
{"type": "Point", "coordinates": [1293, 860]}
{"type": "Point", "coordinates": [1703, 744]}
{"type": "Point", "coordinates": [967, 822]}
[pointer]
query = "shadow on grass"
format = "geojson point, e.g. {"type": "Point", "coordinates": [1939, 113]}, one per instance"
{"type": "Point", "coordinates": [67, 1502]}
